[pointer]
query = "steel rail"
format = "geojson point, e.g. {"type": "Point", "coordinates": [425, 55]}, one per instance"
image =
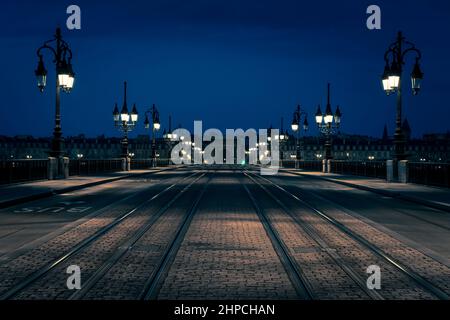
{"type": "Point", "coordinates": [154, 282]}
{"type": "Point", "coordinates": [298, 279]}
{"type": "Point", "coordinates": [15, 289]}
{"type": "Point", "coordinates": [424, 283]}
{"type": "Point", "coordinates": [127, 245]}
{"type": "Point", "coordinates": [315, 236]}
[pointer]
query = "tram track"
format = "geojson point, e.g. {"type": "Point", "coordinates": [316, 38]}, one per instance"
{"type": "Point", "coordinates": [128, 245]}
{"type": "Point", "coordinates": [384, 202]}
{"type": "Point", "coordinates": [443, 209]}
{"type": "Point", "coordinates": [37, 274]}
{"type": "Point", "coordinates": [226, 253]}
{"type": "Point", "coordinates": [52, 193]}
{"type": "Point", "coordinates": [106, 210]}
{"type": "Point", "coordinates": [418, 279]}
{"type": "Point", "coordinates": [335, 256]}
{"type": "Point", "coordinates": [139, 251]}
{"type": "Point", "coordinates": [155, 281]}
{"type": "Point", "coordinates": [295, 273]}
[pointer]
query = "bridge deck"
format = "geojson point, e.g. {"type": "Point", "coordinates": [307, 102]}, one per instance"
{"type": "Point", "coordinates": [223, 232]}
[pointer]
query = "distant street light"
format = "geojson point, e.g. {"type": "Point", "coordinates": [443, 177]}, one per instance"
{"type": "Point", "coordinates": [269, 134]}
{"type": "Point", "coordinates": [156, 126]}
{"type": "Point", "coordinates": [125, 121]}
{"type": "Point", "coordinates": [65, 78]}
{"type": "Point", "coordinates": [169, 136]}
{"type": "Point", "coordinates": [282, 136]}
{"type": "Point", "coordinates": [295, 128]}
{"type": "Point", "coordinates": [392, 82]}
{"type": "Point", "coordinates": [327, 123]}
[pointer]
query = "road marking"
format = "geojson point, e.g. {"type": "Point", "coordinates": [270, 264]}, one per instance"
{"type": "Point", "coordinates": [53, 210]}
{"type": "Point", "coordinates": [69, 203]}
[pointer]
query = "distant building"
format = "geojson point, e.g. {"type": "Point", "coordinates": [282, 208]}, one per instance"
{"type": "Point", "coordinates": [430, 148]}
{"type": "Point", "coordinates": [27, 147]}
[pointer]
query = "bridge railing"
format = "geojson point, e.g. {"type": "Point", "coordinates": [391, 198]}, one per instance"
{"type": "Point", "coordinates": [139, 164]}
{"type": "Point", "coordinates": [308, 165]}
{"type": "Point", "coordinates": [373, 169]}
{"type": "Point", "coordinates": [93, 166]}
{"type": "Point", "coordinates": [163, 162]}
{"type": "Point", "coordinates": [12, 171]}
{"type": "Point", "coordinates": [435, 174]}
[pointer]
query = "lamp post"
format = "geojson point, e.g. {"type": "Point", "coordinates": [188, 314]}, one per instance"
{"type": "Point", "coordinates": [282, 137]}
{"type": "Point", "coordinates": [168, 136]}
{"type": "Point", "coordinates": [295, 126]}
{"type": "Point", "coordinates": [125, 121]}
{"type": "Point", "coordinates": [156, 126]}
{"type": "Point", "coordinates": [65, 77]}
{"type": "Point", "coordinates": [392, 82]}
{"type": "Point", "coordinates": [328, 123]}
{"type": "Point", "coordinates": [269, 144]}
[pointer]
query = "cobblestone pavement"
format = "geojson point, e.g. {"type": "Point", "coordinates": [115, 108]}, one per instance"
{"type": "Point", "coordinates": [226, 252]}
{"type": "Point", "coordinates": [19, 268]}
{"type": "Point", "coordinates": [424, 225]}
{"type": "Point", "coordinates": [32, 223]}
{"type": "Point", "coordinates": [395, 285]}
{"type": "Point", "coordinates": [127, 278]}
{"type": "Point", "coordinates": [325, 276]}
{"type": "Point", "coordinates": [431, 269]}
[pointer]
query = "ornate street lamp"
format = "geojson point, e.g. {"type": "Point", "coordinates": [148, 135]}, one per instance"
{"type": "Point", "coordinates": [392, 82]}
{"type": "Point", "coordinates": [169, 135]}
{"type": "Point", "coordinates": [156, 126]}
{"type": "Point", "coordinates": [65, 78]}
{"type": "Point", "coordinates": [328, 123]}
{"type": "Point", "coordinates": [283, 134]}
{"type": "Point", "coordinates": [125, 121]}
{"type": "Point", "coordinates": [282, 137]}
{"type": "Point", "coordinates": [295, 126]}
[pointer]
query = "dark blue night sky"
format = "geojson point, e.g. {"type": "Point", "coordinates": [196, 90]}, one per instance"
{"type": "Point", "coordinates": [232, 64]}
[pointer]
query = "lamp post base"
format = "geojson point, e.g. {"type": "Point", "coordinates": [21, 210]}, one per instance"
{"type": "Point", "coordinates": [153, 153]}
{"type": "Point", "coordinates": [125, 153]}
{"type": "Point", "coordinates": [297, 161]}
{"type": "Point", "coordinates": [399, 142]}
{"type": "Point", "coordinates": [57, 144]}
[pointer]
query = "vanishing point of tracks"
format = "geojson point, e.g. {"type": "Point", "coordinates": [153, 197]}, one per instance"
{"type": "Point", "coordinates": [131, 252]}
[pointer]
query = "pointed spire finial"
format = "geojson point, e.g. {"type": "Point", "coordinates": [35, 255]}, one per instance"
{"type": "Point", "coordinates": [125, 93]}
{"type": "Point", "coordinates": [328, 96]}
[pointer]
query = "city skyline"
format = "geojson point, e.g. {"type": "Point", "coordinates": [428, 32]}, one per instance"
{"type": "Point", "coordinates": [230, 64]}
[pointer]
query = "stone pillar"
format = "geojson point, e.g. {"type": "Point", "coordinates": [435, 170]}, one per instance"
{"type": "Point", "coordinates": [52, 168]}
{"type": "Point", "coordinates": [403, 171]}
{"type": "Point", "coordinates": [328, 166]}
{"type": "Point", "coordinates": [65, 167]}
{"type": "Point", "coordinates": [126, 164]}
{"type": "Point", "coordinates": [324, 166]}
{"type": "Point", "coordinates": [389, 170]}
